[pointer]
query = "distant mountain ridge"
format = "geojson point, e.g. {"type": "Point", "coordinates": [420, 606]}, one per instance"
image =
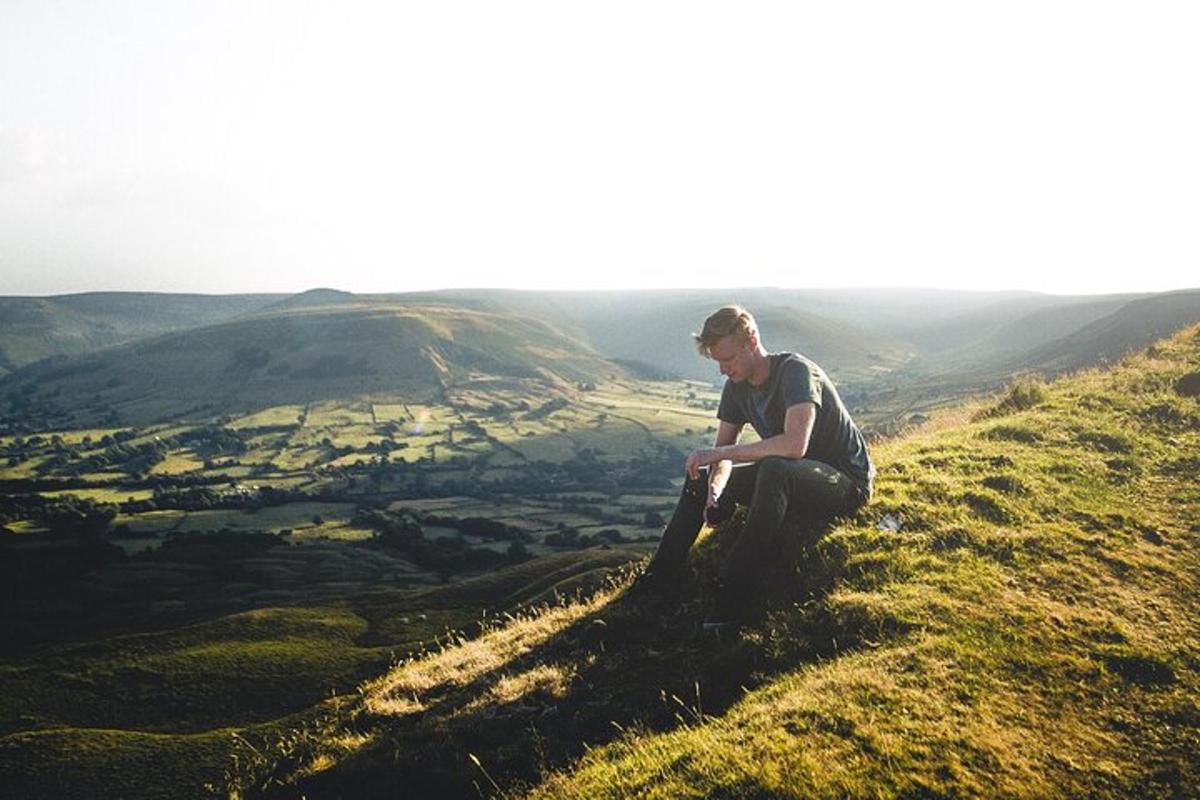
{"type": "Point", "coordinates": [33, 328]}
{"type": "Point", "coordinates": [898, 351]}
{"type": "Point", "coordinates": [306, 354]}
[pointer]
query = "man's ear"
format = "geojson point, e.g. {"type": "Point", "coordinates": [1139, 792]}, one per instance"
{"type": "Point", "coordinates": [752, 340]}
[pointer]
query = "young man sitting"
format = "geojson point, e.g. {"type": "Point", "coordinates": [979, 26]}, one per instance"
{"type": "Point", "coordinates": [810, 465]}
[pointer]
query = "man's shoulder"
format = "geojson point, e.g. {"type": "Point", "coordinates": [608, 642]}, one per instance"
{"type": "Point", "coordinates": [791, 360]}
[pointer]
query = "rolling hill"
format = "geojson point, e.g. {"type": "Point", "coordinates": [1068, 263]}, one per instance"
{"type": "Point", "coordinates": [33, 328]}
{"type": "Point", "coordinates": [1024, 626]}
{"type": "Point", "coordinates": [305, 354]}
{"type": "Point", "coordinates": [896, 354]}
{"type": "Point", "coordinates": [654, 328]}
{"type": "Point", "coordinates": [1130, 327]}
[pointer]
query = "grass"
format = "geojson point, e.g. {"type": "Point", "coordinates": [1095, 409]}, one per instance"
{"type": "Point", "coordinates": [276, 415]}
{"type": "Point", "coordinates": [162, 714]}
{"type": "Point", "coordinates": [1030, 631]}
{"type": "Point", "coordinates": [272, 518]}
{"type": "Point", "coordinates": [178, 462]}
{"type": "Point", "coordinates": [1022, 640]}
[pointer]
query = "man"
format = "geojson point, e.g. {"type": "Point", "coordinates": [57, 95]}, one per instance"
{"type": "Point", "coordinates": [811, 463]}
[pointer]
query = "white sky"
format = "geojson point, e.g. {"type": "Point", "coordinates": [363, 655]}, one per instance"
{"type": "Point", "coordinates": [252, 146]}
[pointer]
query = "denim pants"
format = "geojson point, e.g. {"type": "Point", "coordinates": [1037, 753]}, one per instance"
{"type": "Point", "coordinates": [781, 493]}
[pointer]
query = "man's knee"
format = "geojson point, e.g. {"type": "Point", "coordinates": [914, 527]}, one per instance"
{"type": "Point", "coordinates": [774, 469]}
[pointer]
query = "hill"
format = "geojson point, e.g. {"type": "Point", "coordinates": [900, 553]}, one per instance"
{"type": "Point", "coordinates": [895, 353]}
{"type": "Point", "coordinates": [301, 354]}
{"type": "Point", "coordinates": [1029, 630]}
{"type": "Point", "coordinates": [1131, 326]}
{"type": "Point", "coordinates": [158, 714]}
{"type": "Point", "coordinates": [33, 328]}
{"type": "Point", "coordinates": [654, 327]}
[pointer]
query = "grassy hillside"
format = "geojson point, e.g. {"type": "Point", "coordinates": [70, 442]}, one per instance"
{"type": "Point", "coordinates": [1030, 630]}
{"type": "Point", "coordinates": [655, 327]}
{"type": "Point", "coordinates": [300, 354]}
{"type": "Point", "coordinates": [1130, 327]}
{"type": "Point", "coordinates": [1006, 329]}
{"type": "Point", "coordinates": [896, 354]}
{"type": "Point", "coordinates": [162, 715]}
{"type": "Point", "coordinates": [33, 328]}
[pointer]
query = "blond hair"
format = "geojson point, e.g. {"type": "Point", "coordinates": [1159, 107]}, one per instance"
{"type": "Point", "coordinates": [725, 321]}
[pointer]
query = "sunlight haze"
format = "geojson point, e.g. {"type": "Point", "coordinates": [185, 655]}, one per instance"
{"type": "Point", "coordinates": [272, 147]}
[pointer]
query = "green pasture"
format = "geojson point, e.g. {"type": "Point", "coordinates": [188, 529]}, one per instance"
{"type": "Point", "coordinates": [153, 433]}
{"type": "Point", "coordinates": [336, 531]}
{"type": "Point", "coordinates": [102, 494]}
{"type": "Point", "coordinates": [160, 521]}
{"type": "Point", "coordinates": [178, 462]}
{"type": "Point", "coordinates": [26, 469]}
{"type": "Point", "coordinates": [269, 519]}
{"type": "Point", "coordinates": [552, 448]}
{"type": "Point", "coordinates": [391, 412]}
{"type": "Point", "coordinates": [336, 415]}
{"type": "Point", "coordinates": [295, 459]}
{"type": "Point", "coordinates": [274, 416]}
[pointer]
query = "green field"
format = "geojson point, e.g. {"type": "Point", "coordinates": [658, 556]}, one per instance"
{"type": "Point", "coordinates": [159, 656]}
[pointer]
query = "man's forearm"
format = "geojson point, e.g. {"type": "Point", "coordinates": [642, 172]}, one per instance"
{"type": "Point", "coordinates": [718, 474]}
{"type": "Point", "coordinates": [780, 445]}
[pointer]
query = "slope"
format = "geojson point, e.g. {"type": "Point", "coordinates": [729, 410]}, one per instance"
{"type": "Point", "coordinates": [654, 327]}
{"type": "Point", "coordinates": [160, 715]}
{"type": "Point", "coordinates": [1129, 327]}
{"type": "Point", "coordinates": [1031, 630]}
{"type": "Point", "coordinates": [33, 328]}
{"type": "Point", "coordinates": [299, 355]}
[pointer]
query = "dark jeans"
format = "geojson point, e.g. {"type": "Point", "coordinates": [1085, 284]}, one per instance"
{"type": "Point", "coordinates": [781, 493]}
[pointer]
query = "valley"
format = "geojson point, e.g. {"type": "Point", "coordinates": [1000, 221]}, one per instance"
{"type": "Point", "coordinates": [218, 524]}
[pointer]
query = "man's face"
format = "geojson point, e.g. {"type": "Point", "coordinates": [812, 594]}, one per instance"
{"type": "Point", "coordinates": [735, 356]}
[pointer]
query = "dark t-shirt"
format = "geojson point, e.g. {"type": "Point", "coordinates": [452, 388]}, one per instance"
{"type": "Point", "coordinates": [793, 379]}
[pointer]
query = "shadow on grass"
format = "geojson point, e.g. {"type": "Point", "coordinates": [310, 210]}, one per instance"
{"type": "Point", "coordinates": [639, 662]}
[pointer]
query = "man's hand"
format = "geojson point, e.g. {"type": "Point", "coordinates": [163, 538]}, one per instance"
{"type": "Point", "coordinates": [703, 457]}
{"type": "Point", "coordinates": [712, 506]}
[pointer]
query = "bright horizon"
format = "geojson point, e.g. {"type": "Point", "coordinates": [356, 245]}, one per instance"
{"type": "Point", "coordinates": [231, 148]}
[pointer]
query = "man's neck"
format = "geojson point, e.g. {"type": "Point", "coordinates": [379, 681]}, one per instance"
{"type": "Point", "coordinates": [762, 369]}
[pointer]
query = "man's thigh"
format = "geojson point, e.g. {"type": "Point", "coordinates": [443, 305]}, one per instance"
{"type": "Point", "coordinates": [803, 479]}
{"type": "Point", "coordinates": [812, 487]}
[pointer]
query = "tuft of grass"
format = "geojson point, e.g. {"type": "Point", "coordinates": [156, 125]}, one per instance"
{"type": "Point", "coordinates": [1022, 395]}
{"type": "Point", "coordinates": [1012, 433]}
{"type": "Point", "coordinates": [1105, 442]}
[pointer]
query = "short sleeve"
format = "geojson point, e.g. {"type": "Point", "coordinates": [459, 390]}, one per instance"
{"type": "Point", "coordinates": [730, 410]}
{"type": "Point", "coordinates": [800, 384]}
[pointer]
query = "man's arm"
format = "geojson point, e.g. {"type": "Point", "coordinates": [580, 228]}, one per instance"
{"type": "Point", "coordinates": [718, 476]}
{"type": "Point", "coordinates": [792, 443]}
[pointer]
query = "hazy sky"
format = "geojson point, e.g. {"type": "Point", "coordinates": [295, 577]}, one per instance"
{"type": "Point", "coordinates": [253, 146]}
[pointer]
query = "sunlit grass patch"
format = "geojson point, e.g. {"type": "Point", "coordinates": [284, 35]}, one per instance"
{"type": "Point", "coordinates": [337, 415]}
{"type": "Point", "coordinates": [400, 691]}
{"type": "Point", "coordinates": [392, 412]}
{"type": "Point", "coordinates": [270, 417]}
{"type": "Point", "coordinates": [178, 462]}
{"type": "Point", "coordinates": [545, 681]}
{"type": "Point", "coordinates": [25, 469]}
{"type": "Point", "coordinates": [102, 494]}
{"type": "Point", "coordinates": [151, 521]}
